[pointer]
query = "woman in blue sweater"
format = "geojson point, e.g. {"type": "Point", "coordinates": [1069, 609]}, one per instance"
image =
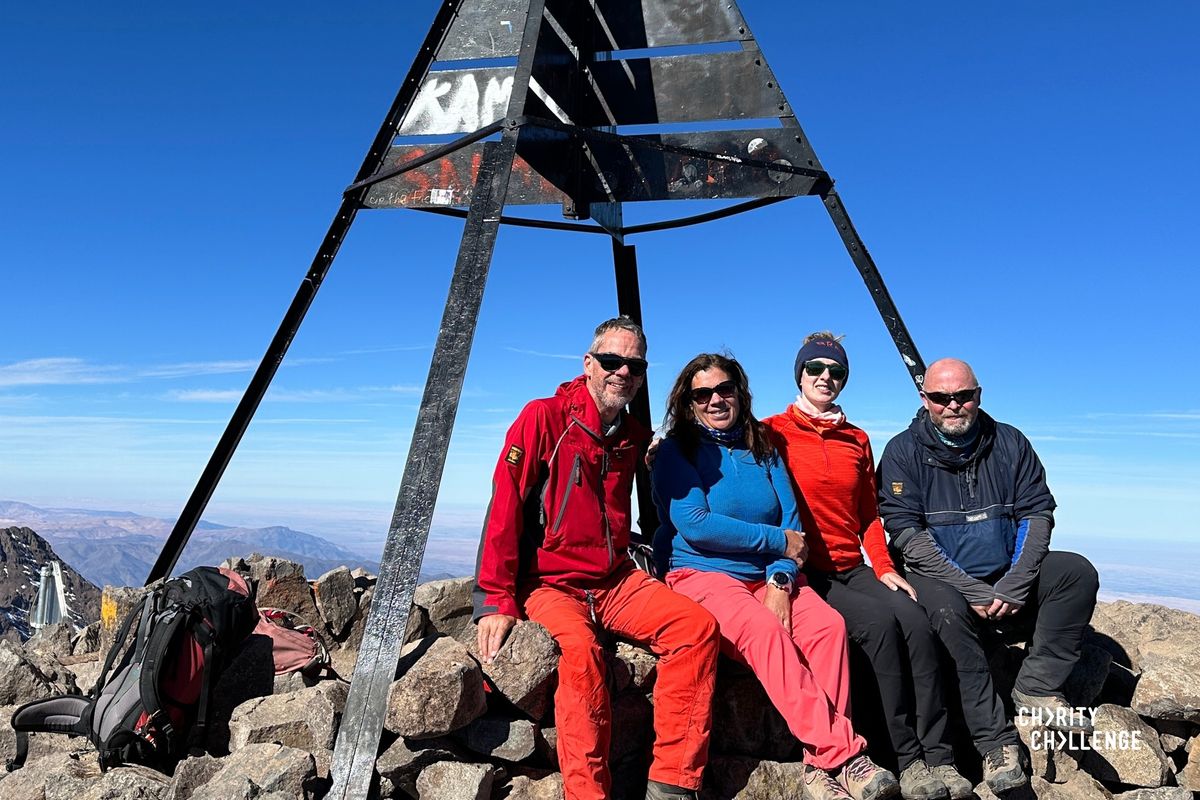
{"type": "Point", "coordinates": [729, 539]}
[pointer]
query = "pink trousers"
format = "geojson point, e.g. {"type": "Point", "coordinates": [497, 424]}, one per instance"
{"type": "Point", "coordinates": [806, 674]}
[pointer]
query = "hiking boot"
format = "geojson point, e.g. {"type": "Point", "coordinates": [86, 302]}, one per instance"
{"type": "Point", "coordinates": [665, 791]}
{"type": "Point", "coordinates": [918, 783]}
{"type": "Point", "coordinates": [820, 785]}
{"type": "Point", "coordinates": [959, 787]}
{"type": "Point", "coordinates": [864, 780]}
{"type": "Point", "coordinates": [1002, 769]}
{"type": "Point", "coordinates": [1052, 712]}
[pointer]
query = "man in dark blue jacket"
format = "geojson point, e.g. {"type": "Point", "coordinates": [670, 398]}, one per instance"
{"type": "Point", "coordinates": [965, 504]}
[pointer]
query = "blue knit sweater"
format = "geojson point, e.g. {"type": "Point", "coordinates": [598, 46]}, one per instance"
{"type": "Point", "coordinates": [724, 513]}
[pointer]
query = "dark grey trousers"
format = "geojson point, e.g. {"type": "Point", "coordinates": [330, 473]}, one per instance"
{"type": "Point", "coordinates": [1052, 621]}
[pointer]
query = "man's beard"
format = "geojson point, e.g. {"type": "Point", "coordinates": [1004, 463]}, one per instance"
{"type": "Point", "coordinates": [609, 400]}
{"type": "Point", "coordinates": [955, 426]}
{"type": "Point", "coordinates": [612, 402]}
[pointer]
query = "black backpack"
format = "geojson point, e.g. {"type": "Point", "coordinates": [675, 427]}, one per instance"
{"type": "Point", "coordinates": [150, 703]}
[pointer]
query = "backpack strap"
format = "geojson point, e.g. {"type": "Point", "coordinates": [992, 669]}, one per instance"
{"type": "Point", "coordinates": [196, 737]}
{"type": "Point", "coordinates": [154, 653]}
{"type": "Point", "coordinates": [142, 611]}
{"type": "Point", "coordinates": [65, 714]}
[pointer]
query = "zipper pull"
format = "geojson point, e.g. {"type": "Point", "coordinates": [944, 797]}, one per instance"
{"type": "Point", "coordinates": [591, 604]}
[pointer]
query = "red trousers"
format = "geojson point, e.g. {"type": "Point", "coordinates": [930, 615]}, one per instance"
{"type": "Point", "coordinates": [683, 635]}
{"type": "Point", "coordinates": [806, 675]}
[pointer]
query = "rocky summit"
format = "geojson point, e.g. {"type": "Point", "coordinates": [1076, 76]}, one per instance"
{"type": "Point", "coordinates": [457, 729]}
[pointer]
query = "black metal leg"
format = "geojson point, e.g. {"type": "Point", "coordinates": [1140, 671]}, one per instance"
{"type": "Point", "coordinates": [189, 517]}
{"type": "Point", "coordinates": [874, 281]}
{"type": "Point", "coordinates": [362, 722]}
{"type": "Point", "coordinates": [629, 303]}
{"type": "Point", "coordinates": [366, 707]}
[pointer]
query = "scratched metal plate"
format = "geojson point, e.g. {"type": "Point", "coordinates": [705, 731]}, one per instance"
{"type": "Point", "coordinates": [450, 181]}
{"type": "Point", "coordinates": [629, 173]}
{"type": "Point", "coordinates": [459, 101]}
{"type": "Point", "coordinates": [633, 24]}
{"type": "Point", "coordinates": [690, 88]}
{"type": "Point", "coordinates": [485, 29]}
{"type": "Point", "coordinates": [491, 28]}
{"type": "Point", "coordinates": [633, 92]}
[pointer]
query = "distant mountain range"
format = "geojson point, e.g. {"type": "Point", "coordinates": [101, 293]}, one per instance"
{"type": "Point", "coordinates": [118, 548]}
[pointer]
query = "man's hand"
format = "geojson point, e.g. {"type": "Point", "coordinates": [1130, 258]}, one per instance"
{"type": "Point", "coordinates": [779, 603]}
{"type": "Point", "coordinates": [998, 609]}
{"type": "Point", "coordinates": [493, 629]}
{"type": "Point", "coordinates": [652, 451]}
{"type": "Point", "coordinates": [797, 547]}
{"type": "Point", "coordinates": [893, 581]}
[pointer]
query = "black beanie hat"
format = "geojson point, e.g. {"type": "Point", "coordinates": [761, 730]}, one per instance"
{"type": "Point", "coordinates": [821, 348]}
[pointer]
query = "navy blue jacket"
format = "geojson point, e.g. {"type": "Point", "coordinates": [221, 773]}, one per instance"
{"type": "Point", "coordinates": [988, 512]}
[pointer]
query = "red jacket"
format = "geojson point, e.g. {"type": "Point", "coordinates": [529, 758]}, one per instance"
{"type": "Point", "coordinates": [833, 471]}
{"type": "Point", "coordinates": [560, 509]}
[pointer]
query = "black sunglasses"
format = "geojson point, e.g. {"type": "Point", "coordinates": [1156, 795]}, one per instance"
{"type": "Point", "coordinates": [817, 368]}
{"type": "Point", "coordinates": [702, 394]}
{"type": "Point", "coordinates": [961, 397]}
{"type": "Point", "coordinates": [611, 362]}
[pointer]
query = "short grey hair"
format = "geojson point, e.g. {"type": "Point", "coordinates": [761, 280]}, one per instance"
{"type": "Point", "coordinates": [621, 323]}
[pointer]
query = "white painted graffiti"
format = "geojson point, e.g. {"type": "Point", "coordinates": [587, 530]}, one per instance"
{"type": "Point", "coordinates": [453, 103]}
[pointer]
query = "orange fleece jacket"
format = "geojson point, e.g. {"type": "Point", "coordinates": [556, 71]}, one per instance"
{"type": "Point", "coordinates": [833, 472]}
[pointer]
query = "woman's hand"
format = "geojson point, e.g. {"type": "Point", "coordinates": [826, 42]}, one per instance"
{"type": "Point", "coordinates": [779, 603]}
{"type": "Point", "coordinates": [893, 581]}
{"type": "Point", "coordinates": [797, 547]}
{"type": "Point", "coordinates": [652, 451]}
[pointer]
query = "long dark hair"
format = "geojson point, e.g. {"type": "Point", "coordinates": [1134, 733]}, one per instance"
{"type": "Point", "coordinates": [680, 423]}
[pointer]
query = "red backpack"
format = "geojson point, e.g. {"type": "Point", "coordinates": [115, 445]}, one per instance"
{"type": "Point", "coordinates": [150, 704]}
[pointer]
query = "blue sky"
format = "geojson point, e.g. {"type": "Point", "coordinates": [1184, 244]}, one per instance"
{"type": "Point", "coordinates": [1024, 175]}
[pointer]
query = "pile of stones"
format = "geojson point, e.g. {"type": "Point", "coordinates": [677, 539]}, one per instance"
{"type": "Point", "coordinates": [457, 729]}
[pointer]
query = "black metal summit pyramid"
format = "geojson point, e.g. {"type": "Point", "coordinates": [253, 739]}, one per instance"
{"type": "Point", "coordinates": [584, 104]}
{"type": "Point", "coordinates": [686, 75]}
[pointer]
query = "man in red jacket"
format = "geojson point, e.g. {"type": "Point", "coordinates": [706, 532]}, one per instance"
{"type": "Point", "coordinates": [554, 550]}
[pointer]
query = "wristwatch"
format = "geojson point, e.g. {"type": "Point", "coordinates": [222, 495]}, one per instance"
{"type": "Point", "coordinates": [781, 580]}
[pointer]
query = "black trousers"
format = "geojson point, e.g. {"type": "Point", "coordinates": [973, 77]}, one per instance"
{"type": "Point", "coordinates": [1060, 606]}
{"type": "Point", "coordinates": [895, 636]}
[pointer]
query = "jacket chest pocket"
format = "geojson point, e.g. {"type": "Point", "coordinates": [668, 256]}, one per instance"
{"type": "Point", "coordinates": [572, 481]}
{"type": "Point", "coordinates": [619, 468]}
{"type": "Point", "coordinates": [569, 496]}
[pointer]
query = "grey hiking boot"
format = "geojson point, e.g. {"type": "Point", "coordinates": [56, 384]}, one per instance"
{"type": "Point", "coordinates": [820, 785]}
{"type": "Point", "coordinates": [1003, 770]}
{"type": "Point", "coordinates": [665, 791]}
{"type": "Point", "coordinates": [959, 787]}
{"type": "Point", "coordinates": [1052, 712]}
{"type": "Point", "coordinates": [917, 782]}
{"type": "Point", "coordinates": [865, 780]}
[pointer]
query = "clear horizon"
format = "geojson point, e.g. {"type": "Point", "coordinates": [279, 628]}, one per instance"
{"type": "Point", "coordinates": [1128, 571]}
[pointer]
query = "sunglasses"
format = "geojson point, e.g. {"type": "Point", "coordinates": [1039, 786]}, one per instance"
{"type": "Point", "coordinates": [961, 397]}
{"type": "Point", "coordinates": [611, 362]}
{"type": "Point", "coordinates": [817, 368]}
{"type": "Point", "coordinates": [702, 394]}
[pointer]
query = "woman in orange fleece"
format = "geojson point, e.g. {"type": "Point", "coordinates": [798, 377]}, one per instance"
{"type": "Point", "coordinates": [833, 471]}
